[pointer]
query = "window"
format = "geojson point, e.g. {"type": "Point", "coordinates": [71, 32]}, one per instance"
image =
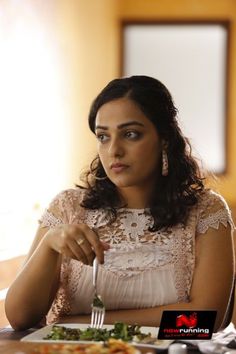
{"type": "Point", "coordinates": [191, 60]}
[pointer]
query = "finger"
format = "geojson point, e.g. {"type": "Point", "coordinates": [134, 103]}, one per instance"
{"type": "Point", "coordinates": [66, 251]}
{"type": "Point", "coordinates": [90, 254]}
{"type": "Point", "coordinates": [94, 241]}
{"type": "Point", "coordinates": [85, 247]}
{"type": "Point", "coordinates": [105, 245]}
{"type": "Point", "coordinates": [84, 244]}
{"type": "Point", "coordinates": [77, 251]}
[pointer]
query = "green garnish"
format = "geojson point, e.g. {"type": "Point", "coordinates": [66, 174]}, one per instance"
{"type": "Point", "coordinates": [121, 330]}
{"type": "Point", "coordinates": [97, 302]}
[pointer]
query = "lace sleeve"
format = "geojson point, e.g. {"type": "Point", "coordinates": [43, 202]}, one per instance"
{"type": "Point", "coordinates": [213, 211]}
{"type": "Point", "coordinates": [62, 208]}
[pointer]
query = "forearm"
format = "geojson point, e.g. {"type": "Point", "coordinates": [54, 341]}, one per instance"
{"type": "Point", "coordinates": [29, 297]}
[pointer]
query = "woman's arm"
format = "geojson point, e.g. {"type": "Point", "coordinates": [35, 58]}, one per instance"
{"type": "Point", "coordinates": [31, 294]}
{"type": "Point", "coordinates": [211, 287]}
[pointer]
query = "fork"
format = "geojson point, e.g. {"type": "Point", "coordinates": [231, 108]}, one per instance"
{"type": "Point", "coordinates": [98, 308]}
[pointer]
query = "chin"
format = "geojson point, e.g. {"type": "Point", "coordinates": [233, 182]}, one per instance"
{"type": "Point", "coordinates": [124, 182]}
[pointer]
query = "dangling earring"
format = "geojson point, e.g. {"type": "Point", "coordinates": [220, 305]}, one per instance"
{"type": "Point", "coordinates": [98, 178]}
{"type": "Point", "coordinates": [92, 170]}
{"type": "Point", "coordinates": [165, 165]}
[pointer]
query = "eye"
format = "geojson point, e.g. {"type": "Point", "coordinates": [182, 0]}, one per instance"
{"type": "Point", "coordinates": [131, 134]}
{"type": "Point", "coordinates": [102, 137]}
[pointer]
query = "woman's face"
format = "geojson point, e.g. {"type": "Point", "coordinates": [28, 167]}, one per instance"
{"type": "Point", "coordinates": [129, 146]}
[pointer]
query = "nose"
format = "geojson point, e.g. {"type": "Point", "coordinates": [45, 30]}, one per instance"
{"type": "Point", "coordinates": [116, 148]}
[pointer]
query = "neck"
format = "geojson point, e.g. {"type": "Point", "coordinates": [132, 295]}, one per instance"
{"type": "Point", "coordinates": [136, 197]}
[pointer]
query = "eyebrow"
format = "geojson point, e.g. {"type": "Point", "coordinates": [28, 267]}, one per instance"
{"type": "Point", "coordinates": [120, 126]}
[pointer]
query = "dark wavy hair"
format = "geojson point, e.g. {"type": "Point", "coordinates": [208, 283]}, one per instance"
{"type": "Point", "coordinates": [174, 194]}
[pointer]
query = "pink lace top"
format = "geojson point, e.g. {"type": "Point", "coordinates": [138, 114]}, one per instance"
{"type": "Point", "coordinates": [142, 268]}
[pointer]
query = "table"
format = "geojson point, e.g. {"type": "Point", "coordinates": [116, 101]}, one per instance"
{"type": "Point", "coordinates": [10, 343]}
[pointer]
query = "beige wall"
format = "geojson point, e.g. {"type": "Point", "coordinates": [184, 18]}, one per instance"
{"type": "Point", "coordinates": [89, 32]}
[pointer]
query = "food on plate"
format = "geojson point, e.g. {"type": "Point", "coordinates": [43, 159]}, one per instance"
{"type": "Point", "coordinates": [120, 330]}
{"type": "Point", "coordinates": [113, 346]}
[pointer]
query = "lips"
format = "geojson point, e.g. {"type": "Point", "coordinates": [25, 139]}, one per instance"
{"type": "Point", "coordinates": [118, 167]}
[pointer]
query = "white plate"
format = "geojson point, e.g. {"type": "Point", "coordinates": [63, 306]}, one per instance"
{"type": "Point", "coordinates": [39, 335]}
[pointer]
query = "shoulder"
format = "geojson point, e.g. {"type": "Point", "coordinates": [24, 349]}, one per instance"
{"type": "Point", "coordinates": [64, 208]}
{"type": "Point", "coordinates": [213, 210]}
{"type": "Point", "coordinates": [69, 196]}
{"type": "Point", "coordinates": [211, 200]}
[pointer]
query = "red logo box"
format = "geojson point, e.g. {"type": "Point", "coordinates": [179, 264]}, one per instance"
{"type": "Point", "coordinates": [187, 325]}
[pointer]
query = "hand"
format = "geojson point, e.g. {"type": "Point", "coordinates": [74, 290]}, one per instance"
{"type": "Point", "coordinates": [76, 241]}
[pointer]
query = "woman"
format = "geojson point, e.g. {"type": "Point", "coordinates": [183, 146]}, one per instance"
{"type": "Point", "coordinates": [164, 241]}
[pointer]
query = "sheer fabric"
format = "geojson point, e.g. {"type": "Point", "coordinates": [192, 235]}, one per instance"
{"type": "Point", "coordinates": [142, 268]}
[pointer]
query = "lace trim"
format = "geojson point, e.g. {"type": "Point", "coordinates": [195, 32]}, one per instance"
{"type": "Point", "coordinates": [183, 249]}
{"type": "Point", "coordinates": [61, 305]}
{"type": "Point", "coordinates": [74, 278]}
{"type": "Point", "coordinates": [95, 218]}
{"type": "Point", "coordinates": [49, 220]}
{"type": "Point", "coordinates": [214, 220]}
